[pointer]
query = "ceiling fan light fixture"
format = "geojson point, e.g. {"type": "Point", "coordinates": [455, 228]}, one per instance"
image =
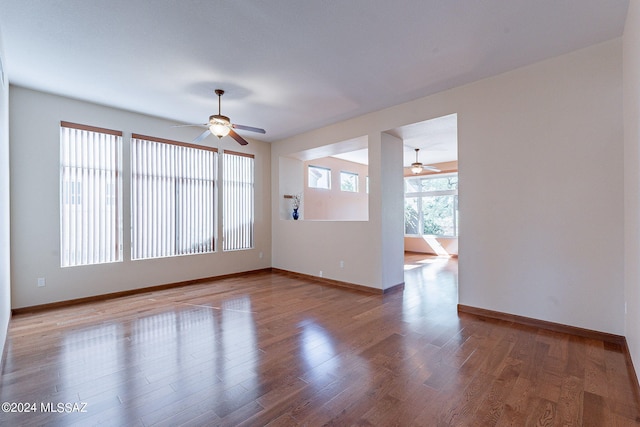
{"type": "Point", "coordinates": [219, 125]}
{"type": "Point", "coordinates": [416, 167]}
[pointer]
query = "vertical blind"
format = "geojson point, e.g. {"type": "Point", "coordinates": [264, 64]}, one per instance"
{"type": "Point", "coordinates": [173, 189]}
{"type": "Point", "coordinates": [90, 195]}
{"type": "Point", "coordinates": [238, 180]}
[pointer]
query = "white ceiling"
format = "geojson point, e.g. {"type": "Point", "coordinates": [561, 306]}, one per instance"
{"type": "Point", "coordinates": [436, 138]}
{"type": "Point", "coordinates": [288, 66]}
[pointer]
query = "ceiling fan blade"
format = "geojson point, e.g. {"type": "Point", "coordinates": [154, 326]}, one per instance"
{"type": "Point", "coordinates": [430, 168]}
{"type": "Point", "coordinates": [237, 137]}
{"type": "Point", "coordinates": [249, 128]}
{"type": "Point", "coordinates": [202, 136]}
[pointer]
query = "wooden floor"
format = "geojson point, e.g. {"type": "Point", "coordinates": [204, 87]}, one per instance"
{"type": "Point", "coordinates": [268, 349]}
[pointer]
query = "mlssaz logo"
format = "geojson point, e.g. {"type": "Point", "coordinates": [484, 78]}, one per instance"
{"type": "Point", "coordinates": [63, 407]}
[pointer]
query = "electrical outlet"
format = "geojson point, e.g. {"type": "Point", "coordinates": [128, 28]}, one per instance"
{"type": "Point", "coordinates": [341, 264]}
{"type": "Point", "coordinates": [41, 282]}
{"type": "Point", "coordinates": [261, 255]}
{"type": "Point", "coordinates": [320, 273]}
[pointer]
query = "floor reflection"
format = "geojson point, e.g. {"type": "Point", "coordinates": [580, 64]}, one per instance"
{"type": "Point", "coordinates": [217, 351]}
{"type": "Point", "coordinates": [202, 350]}
{"type": "Point", "coordinates": [317, 351]}
{"type": "Point", "coordinates": [275, 349]}
{"type": "Point", "coordinates": [430, 286]}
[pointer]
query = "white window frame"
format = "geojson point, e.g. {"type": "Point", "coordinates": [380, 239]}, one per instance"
{"type": "Point", "coordinates": [421, 194]}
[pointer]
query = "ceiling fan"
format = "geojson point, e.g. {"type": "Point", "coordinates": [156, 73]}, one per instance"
{"type": "Point", "coordinates": [418, 167]}
{"type": "Point", "coordinates": [220, 126]}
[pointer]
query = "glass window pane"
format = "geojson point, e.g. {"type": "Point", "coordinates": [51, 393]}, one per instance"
{"type": "Point", "coordinates": [172, 199]}
{"type": "Point", "coordinates": [90, 195]}
{"type": "Point", "coordinates": [437, 215]}
{"type": "Point", "coordinates": [412, 185]}
{"type": "Point", "coordinates": [436, 184]}
{"type": "Point", "coordinates": [238, 202]}
{"type": "Point", "coordinates": [431, 205]}
{"type": "Point", "coordinates": [349, 181]}
{"type": "Point", "coordinates": [411, 218]}
{"type": "Point", "coordinates": [319, 177]}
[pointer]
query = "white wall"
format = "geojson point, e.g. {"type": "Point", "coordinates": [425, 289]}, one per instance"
{"type": "Point", "coordinates": [392, 210]}
{"type": "Point", "coordinates": [631, 72]}
{"type": "Point", "coordinates": [333, 204]}
{"type": "Point", "coordinates": [35, 246]}
{"type": "Point", "coordinates": [5, 233]}
{"type": "Point", "coordinates": [541, 197]}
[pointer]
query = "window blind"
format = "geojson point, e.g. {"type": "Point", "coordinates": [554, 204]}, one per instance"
{"type": "Point", "coordinates": [238, 201]}
{"type": "Point", "coordinates": [173, 188]}
{"type": "Point", "coordinates": [90, 195]}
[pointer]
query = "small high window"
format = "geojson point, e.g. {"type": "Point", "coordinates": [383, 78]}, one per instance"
{"type": "Point", "coordinates": [349, 182]}
{"type": "Point", "coordinates": [319, 177]}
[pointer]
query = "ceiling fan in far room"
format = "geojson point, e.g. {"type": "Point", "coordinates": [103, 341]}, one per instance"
{"type": "Point", "coordinates": [418, 167]}
{"type": "Point", "coordinates": [220, 126]}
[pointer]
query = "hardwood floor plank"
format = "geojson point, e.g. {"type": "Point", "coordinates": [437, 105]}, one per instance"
{"type": "Point", "coordinates": [490, 409]}
{"type": "Point", "coordinates": [517, 404]}
{"type": "Point", "coordinates": [570, 403]}
{"type": "Point", "coordinates": [461, 411]}
{"type": "Point", "coordinates": [594, 410]}
{"type": "Point", "coordinates": [274, 349]}
{"type": "Point", "coordinates": [280, 390]}
{"type": "Point", "coordinates": [543, 414]}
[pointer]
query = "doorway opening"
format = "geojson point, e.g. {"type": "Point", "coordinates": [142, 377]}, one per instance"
{"type": "Point", "coordinates": [431, 217]}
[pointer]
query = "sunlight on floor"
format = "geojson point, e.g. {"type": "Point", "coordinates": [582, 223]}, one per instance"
{"type": "Point", "coordinates": [435, 260]}
{"type": "Point", "coordinates": [435, 245]}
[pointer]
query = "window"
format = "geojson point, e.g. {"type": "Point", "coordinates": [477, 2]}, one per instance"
{"type": "Point", "coordinates": [431, 205]}
{"type": "Point", "coordinates": [90, 195]}
{"type": "Point", "coordinates": [319, 177]}
{"type": "Point", "coordinates": [349, 181]}
{"type": "Point", "coordinates": [173, 187]}
{"type": "Point", "coordinates": [238, 182]}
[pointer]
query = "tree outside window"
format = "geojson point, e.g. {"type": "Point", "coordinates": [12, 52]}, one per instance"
{"type": "Point", "coordinates": [349, 181]}
{"type": "Point", "coordinates": [431, 205]}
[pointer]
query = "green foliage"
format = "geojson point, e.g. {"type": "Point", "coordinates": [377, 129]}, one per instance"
{"type": "Point", "coordinates": [411, 219]}
{"type": "Point", "coordinates": [431, 213]}
{"type": "Point", "coordinates": [431, 227]}
{"type": "Point", "coordinates": [348, 182]}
